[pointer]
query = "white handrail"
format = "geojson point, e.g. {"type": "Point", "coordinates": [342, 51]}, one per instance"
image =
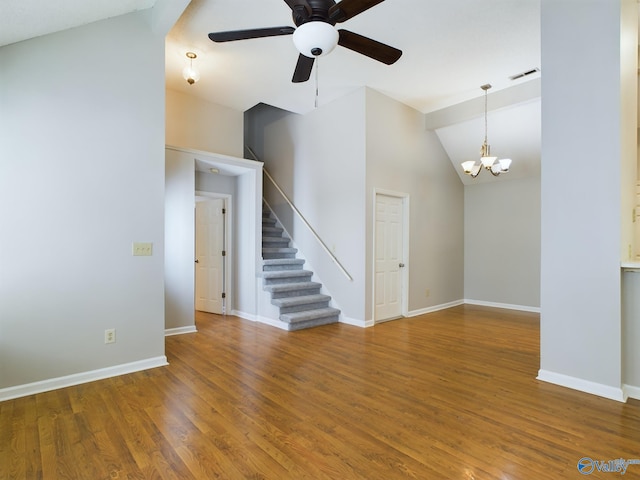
{"type": "Point", "coordinates": [304, 220]}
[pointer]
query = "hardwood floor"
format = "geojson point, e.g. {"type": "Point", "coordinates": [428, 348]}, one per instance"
{"type": "Point", "coordinates": [449, 395]}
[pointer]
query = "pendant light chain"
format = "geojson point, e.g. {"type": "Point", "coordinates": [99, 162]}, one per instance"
{"type": "Point", "coordinates": [317, 68]}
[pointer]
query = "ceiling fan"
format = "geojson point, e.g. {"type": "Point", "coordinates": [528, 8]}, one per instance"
{"type": "Point", "coordinates": [316, 34]}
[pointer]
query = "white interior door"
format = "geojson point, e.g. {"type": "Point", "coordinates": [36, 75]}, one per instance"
{"type": "Point", "coordinates": [388, 279]}
{"type": "Point", "coordinates": [209, 255]}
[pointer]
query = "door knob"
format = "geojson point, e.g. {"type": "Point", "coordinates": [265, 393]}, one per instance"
{"type": "Point", "coordinates": [197, 261]}
{"type": "Point", "coordinates": [401, 265]}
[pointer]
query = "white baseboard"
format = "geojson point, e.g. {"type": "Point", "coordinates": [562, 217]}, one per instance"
{"type": "Point", "coordinates": [272, 322]}
{"type": "Point", "coordinates": [434, 308]}
{"type": "Point", "coordinates": [243, 315]}
{"type": "Point", "coordinates": [180, 330]}
{"type": "Point", "coordinates": [606, 391]}
{"type": "Point", "coordinates": [508, 306]}
{"type": "Point", "coordinates": [78, 378]}
{"type": "Point", "coordinates": [355, 322]}
{"type": "Point", "coordinates": [631, 391]}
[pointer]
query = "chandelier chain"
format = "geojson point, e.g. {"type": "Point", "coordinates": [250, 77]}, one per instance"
{"type": "Point", "coordinates": [485, 116]}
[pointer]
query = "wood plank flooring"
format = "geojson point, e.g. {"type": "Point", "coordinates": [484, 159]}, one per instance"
{"type": "Point", "coordinates": [449, 395]}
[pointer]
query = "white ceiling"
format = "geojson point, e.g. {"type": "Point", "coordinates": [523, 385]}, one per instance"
{"type": "Point", "coordinates": [451, 47]}
{"type": "Point", "coordinates": [23, 19]}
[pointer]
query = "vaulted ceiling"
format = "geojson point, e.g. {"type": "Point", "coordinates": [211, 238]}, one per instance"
{"type": "Point", "coordinates": [450, 48]}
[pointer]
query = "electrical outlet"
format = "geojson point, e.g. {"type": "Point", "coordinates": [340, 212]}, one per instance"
{"type": "Point", "coordinates": [142, 249]}
{"type": "Point", "coordinates": [427, 292]}
{"type": "Point", "coordinates": [110, 335]}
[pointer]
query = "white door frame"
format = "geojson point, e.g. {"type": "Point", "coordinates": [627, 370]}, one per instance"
{"type": "Point", "coordinates": [405, 251]}
{"type": "Point", "coordinates": [228, 242]}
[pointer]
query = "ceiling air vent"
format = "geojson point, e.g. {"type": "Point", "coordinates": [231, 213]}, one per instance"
{"type": "Point", "coordinates": [518, 76]}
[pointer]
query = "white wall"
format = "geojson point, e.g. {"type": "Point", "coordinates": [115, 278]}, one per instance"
{"type": "Point", "coordinates": [502, 243]}
{"type": "Point", "coordinates": [81, 178]}
{"type": "Point", "coordinates": [403, 157]}
{"type": "Point", "coordinates": [201, 125]}
{"type": "Point", "coordinates": [581, 201]}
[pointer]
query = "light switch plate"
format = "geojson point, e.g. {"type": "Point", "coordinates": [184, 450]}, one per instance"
{"type": "Point", "coordinates": [142, 249]}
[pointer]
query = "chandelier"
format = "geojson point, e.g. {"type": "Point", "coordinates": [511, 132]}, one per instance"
{"type": "Point", "coordinates": [495, 166]}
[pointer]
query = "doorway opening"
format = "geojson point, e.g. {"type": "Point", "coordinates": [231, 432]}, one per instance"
{"type": "Point", "coordinates": [212, 252]}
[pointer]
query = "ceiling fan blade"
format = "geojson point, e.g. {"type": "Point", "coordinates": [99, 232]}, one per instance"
{"type": "Point", "coordinates": [252, 33]}
{"type": "Point", "coordinates": [368, 47]}
{"type": "Point", "coordinates": [303, 69]}
{"type": "Point", "coordinates": [346, 9]}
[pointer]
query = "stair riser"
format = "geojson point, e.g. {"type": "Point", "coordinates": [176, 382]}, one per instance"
{"type": "Point", "coordinates": [281, 268]}
{"type": "Point", "coordinates": [312, 323]}
{"type": "Point", "coordinates": [286, 280]}
{"type": "Point", "coordinates": [296, 293]}
{"type": "Point", "coordinates": [302, 308]}
{"type": "Point", "coordinates": [284, 243]}
{"type": "Point", "coordinates": [273, 256]}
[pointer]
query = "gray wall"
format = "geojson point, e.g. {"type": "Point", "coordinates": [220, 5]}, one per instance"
{"type": "Point", "coordinates": [403, 157]}
{"type": "Point", "coordinates": [179, 272]}
{"type": "Point", "coordinates": [502, 243]}
{"type": "Point", "coordinates": [209, 182]}
{"type": "Point", "coordinates": [582, 221]}
{"type": "Point", "coordinates": [330, 161]}
{"type": "Point", "coordinates": [81, 178]}
{"type": "Point", "coordinates": [201, 125]}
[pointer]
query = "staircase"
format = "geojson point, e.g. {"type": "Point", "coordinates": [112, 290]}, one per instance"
{"type": "Point", "coordinates": [299, 299]}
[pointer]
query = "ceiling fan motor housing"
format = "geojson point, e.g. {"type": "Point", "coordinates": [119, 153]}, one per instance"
{"type": "Point", "coordinates": [315, 38]}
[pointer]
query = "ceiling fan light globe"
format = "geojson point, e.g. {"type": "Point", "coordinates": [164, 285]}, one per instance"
{"type": "Point", "coordinates": [315, 39]}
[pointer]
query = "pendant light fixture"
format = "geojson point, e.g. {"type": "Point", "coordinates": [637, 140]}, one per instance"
{"type": "Point", "coordinates": [495, 166]}
{"type": "Point", "coordinates": [190, 74]}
